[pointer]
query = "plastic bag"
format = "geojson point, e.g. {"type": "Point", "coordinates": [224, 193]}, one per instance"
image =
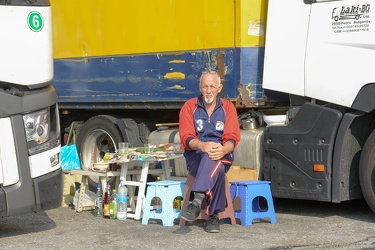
{"type": "Point", "coordinates": [88, 199]}
{"type": "Point", "coordinates": [69, 154]}
{"type": "Point", "coordinates": [69, 158]}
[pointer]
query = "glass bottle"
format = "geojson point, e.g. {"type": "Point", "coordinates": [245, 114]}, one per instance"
{"type": "Point", "coordinates": [99, 202]}
{"type": "Point", "coordinates": [107, 195]}
{"type": "Point", "coordinates": [113, 205]}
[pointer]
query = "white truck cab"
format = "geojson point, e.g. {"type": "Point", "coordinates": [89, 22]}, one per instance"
{"type": "Point", "coordinates": [30, 173]}
{"type": "Point", "coordinates": [322, 55]}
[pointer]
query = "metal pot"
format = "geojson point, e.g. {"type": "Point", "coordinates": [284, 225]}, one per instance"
{"type": "Point", "coordinates": [251, 123]}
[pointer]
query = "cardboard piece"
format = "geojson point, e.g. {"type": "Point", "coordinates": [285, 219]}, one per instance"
{"type": "Point", "coordinates": [70, 185]}
{"type": "Point", "coordinates": [237, 173]}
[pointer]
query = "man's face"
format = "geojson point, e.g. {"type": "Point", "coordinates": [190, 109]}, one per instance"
{"type": "Point", "coordinates": [210, 87]}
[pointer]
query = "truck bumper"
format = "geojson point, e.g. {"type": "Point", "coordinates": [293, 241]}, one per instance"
{"type": "Point", "coordinates": [48, 190]}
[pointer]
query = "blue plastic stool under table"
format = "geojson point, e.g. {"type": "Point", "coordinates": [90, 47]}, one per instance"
{"type": "Point", "coordinates": [249, 193]}
{"type": "Point", "coordinates": [167, 191]}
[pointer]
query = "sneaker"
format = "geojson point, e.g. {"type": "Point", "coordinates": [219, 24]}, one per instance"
{"type": "Point", "coordinates": [212, 224]}
{"type": "Point", "coordinates": [191, 213]}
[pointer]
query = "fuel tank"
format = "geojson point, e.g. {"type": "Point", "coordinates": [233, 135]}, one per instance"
{"type": "Point", "coordinates": [249, 151]}
{"type": "Point", "coordinates": [166, 135]}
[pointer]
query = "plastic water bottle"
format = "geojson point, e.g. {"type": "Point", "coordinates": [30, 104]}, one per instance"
{"type": "Point", "coordinates": [122, 201]}
{"type": "Point", "coordinates": [98, 202]}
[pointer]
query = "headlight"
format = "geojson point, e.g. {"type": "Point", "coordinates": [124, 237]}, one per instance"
{"type": "Point", "coordinates": [42, 130]}
{"type": "Point", "coordinates": [37, 126]}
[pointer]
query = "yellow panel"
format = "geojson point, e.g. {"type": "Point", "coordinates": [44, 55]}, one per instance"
{"type": "Point", "coordinates": [95, 28]}
{"type": "Point", "coordinates": [251, 22]}
{"type": "Point", "coordinates": [188, 21]}
{"type": "Point", "coordinates": [219, 29]}
{"type": "Point", "coordinates": [160, 26]}
{"type": "Point", "coordinates": [110, 34]}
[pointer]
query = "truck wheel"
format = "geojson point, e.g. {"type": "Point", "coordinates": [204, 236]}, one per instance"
{"type": "Point", "coordinates": [98, 136]}
{"type": "Point", "coordinates": [367, 171]}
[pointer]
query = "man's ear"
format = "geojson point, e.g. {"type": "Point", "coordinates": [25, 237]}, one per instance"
{"type": "Point", "coordinates": [220, 88]}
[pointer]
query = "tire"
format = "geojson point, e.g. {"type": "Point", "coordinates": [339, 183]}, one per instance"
{"type": "Point", "coordinates": [367, 171]}
{"type": "Point", "coordinates": [99, 135]}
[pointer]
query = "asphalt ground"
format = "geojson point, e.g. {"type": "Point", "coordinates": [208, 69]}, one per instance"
{"type": "Point", "coordinates": [300, 225]}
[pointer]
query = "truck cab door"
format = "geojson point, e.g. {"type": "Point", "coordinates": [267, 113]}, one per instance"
{"type": "Point", "coordinates": [286, 37]}
{"type": "Point", "coordinates": [340, 50]}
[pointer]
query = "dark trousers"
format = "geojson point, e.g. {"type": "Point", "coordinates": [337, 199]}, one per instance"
{"type": "Point", "coordinates": [209, 178]}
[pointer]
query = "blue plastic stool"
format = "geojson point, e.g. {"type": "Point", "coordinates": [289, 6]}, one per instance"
{"type": "Point", "coordinates": [166, 191]}
{"type": "Point", "coordinates": [249, 192]}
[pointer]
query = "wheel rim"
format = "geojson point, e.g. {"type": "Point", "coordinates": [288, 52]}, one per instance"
{"type": "Point", "coordinates": [95, 145]}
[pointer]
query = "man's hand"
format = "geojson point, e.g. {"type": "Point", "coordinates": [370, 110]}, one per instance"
{"type": "Point", "coordinates": [207, 146]}
{"type": "Point", "coordinates": [215, 150]}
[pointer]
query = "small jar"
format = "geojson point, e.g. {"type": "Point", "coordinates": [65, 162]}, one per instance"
{"type": "Point", "coordinates": [113, 166]}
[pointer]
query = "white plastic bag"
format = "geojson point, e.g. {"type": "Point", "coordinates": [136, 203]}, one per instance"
{"type": "Point", "coordinates": [88, 199]}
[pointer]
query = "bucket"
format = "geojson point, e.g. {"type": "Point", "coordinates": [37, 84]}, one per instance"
{"type": "Point", "coordinates": [251, 123]}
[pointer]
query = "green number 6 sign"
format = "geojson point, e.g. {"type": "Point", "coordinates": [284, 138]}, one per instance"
{"type": "Point", "coordinates": [35, 21]}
